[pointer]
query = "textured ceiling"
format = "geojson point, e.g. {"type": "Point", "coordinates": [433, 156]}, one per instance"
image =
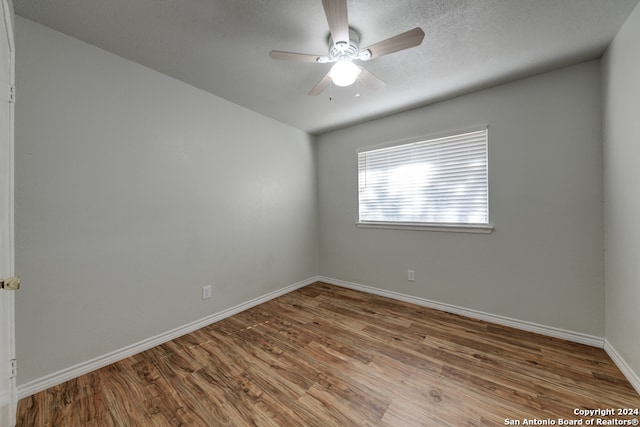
{"type": "Point", "coordinates": [222, 46]}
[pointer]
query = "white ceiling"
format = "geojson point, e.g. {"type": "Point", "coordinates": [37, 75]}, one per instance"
{"type": "Point", "coordinates": [222, 46]}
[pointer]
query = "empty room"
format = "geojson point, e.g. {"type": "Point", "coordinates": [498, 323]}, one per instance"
{"type": "Point", "coordinates": [320, 213]}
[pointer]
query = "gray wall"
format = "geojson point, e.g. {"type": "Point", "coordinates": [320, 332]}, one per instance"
{"type": "Point", "coordinates": [544, 261]}
{"type": "Point", "coordinates": [133, 191]}
{"type": "Point", "coordinates": [621, 89]}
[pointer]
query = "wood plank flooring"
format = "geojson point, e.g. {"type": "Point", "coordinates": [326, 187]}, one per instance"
{"type": "Point", "coordinates": [328, 356]}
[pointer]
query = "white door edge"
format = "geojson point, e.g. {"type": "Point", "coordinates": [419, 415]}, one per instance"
{"type": "Point", "coordinates": [8, 393]}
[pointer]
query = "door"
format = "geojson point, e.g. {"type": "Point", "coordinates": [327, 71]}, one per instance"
{"type": "Point", "coordinates": [8, 395]}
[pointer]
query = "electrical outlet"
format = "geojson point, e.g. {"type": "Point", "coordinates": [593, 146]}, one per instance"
{"type": "Point", "coordinates": [206, 292]}
{"type": "Point", "coordinates": [411, 275]}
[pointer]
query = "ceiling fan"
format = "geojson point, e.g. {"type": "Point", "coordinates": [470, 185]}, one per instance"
{"type": "Point", "coordinates": [344, 49]}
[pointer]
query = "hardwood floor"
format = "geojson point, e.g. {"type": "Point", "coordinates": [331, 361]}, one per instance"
{"type": "Point", "coordinates": [328, 356]}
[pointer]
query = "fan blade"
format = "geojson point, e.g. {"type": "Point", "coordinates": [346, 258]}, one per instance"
{"type": "Point", "coordinates": [336, 12]}
{"type": "Point", "coordinates": [369, 80]}
{"type": "Point", "coordinates": [292, 56]}
{"type": "Point", "coordinates": [321, 86]}
{"type": "Point", "coordinates": [402, 41]}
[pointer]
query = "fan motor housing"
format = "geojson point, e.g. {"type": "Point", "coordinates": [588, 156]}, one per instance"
{"type": "Point", "coordinates": [341, 50]}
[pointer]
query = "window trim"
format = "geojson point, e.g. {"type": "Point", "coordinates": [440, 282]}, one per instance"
{"type": "Point", "coordinates": [426, 226]}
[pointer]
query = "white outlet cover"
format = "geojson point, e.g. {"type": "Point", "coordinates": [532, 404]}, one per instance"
{"type": "Point", "coordinates": [206, 292]}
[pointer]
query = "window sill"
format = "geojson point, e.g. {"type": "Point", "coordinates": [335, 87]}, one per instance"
{"type": "Point", "coordinates": [450, 228]}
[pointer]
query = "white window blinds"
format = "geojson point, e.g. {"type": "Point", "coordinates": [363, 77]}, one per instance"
{"type": "Point", "coordinates": [437, 181]}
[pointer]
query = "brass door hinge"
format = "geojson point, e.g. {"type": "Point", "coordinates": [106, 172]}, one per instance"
{"type": "Point", "coordinates": [10, 284]}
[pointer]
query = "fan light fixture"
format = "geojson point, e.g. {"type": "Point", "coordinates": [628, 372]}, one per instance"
{"type": "Point", "coordinates": [344, 48]}
{"type": "Point", "coordinates": [344, 73]}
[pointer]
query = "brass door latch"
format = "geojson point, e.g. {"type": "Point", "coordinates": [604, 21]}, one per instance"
{"type": "Point", "coordinates": [10, 284]}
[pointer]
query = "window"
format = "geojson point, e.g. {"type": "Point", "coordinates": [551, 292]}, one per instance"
{"type": "Point", "coordinates": [440, 182]}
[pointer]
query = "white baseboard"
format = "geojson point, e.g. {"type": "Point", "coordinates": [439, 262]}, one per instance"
{"type": "Point", "coordinates": [72, 372]}
{"type": "Point", "coordinates": [475, 314]}
{"type": "Point", "coordinates": [624, 367]}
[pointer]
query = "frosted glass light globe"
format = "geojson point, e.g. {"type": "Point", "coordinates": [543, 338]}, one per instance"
{"type": "Point", "coordinates": [344, 73]}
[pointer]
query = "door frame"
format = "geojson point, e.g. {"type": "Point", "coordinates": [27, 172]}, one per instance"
{"type": "Point", "coordinates": [8, 391]}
